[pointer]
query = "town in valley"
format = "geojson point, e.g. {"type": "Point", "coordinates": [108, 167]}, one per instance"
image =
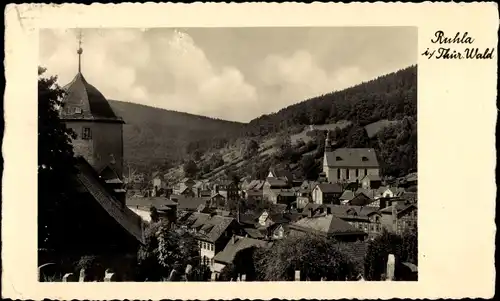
{"type": "Point", "coordinates": [322, 190]}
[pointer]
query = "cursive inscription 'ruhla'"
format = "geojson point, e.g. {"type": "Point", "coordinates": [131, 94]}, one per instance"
{"type": "Point", "coordinates": [458, 39]}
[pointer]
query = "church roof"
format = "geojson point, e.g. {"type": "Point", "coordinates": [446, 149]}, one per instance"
{"type": "Point", "coordinates": [352, 157]}
{"type": "Point", "coordinates": [84, 102]}
{"type": "Point", "coordinates": [90, 181]}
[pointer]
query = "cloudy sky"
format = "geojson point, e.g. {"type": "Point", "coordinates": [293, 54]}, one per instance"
{"type": "Point", "coordinates": [230, 73]}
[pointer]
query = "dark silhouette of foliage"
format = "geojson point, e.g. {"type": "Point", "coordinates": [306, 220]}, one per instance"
{"type": "Point", "coordinates": [55, 165]}
{"type": "Point", "coordinates": [190, 169]}
{"type": "Point", "coordinates": [315, 256]}
{"type": "Point", "coordinates": [164, 250]}
{"type": "Point", "coordinates": [251, 149]}
{"type": "Point", "coordinates": [153, 212]}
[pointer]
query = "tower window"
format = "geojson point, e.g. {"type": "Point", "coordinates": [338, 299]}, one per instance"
{"type": "Point", "coordinates": [86, 134]}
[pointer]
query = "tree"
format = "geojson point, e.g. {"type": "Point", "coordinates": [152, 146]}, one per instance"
{"type": "Point", "coordinates": [284, 145]}
{"type": "Point", "coordinates": [309, 167]}
{"type": "Point", "coordinates": [315, 256]}
{"type": "Point", "coordinates": [409, 252]}
{"type": "Point", "coordinates": [165, 250]}
{"type": "Point", "coordinates": [56, 164]}
{"type": "Point", "coordinates": [358, 137]}
{"type": "Point", "coordinates": [377, 254]}
{"type": "Point", "coordinates": [243, 264]}
{"type": "Point", "coordinates": [251, 149]}
{"type": "Point", "coordinates": [216, 161]}
{"type": "Point", "coordinates": [197, 155]}
{"type": "Point", "coordinates": [190, 169]}
{"type": "Point", "coordinates": [153, 212]}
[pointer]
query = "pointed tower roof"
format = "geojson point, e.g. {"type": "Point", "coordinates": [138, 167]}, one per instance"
{"type": "Point", "coordinates": [83, 101]}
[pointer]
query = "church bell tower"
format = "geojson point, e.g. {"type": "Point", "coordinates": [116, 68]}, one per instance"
{"type": "Point", "coordinates": [99, 130]}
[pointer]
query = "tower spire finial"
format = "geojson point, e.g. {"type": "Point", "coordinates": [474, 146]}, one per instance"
{"type": "Point", "coordinates": [79, 51]}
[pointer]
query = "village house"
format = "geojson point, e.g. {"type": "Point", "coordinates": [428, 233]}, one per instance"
{"type": "Point", "coordinates": [400, 216]}
{"type": "Point", "coordinates": [349, 164]}
{"type": "Point", "coordinates": [272, 185]}
{"type": "Point", "coordinates": [217, 201]}
{"type": "Point", "coordinates": [282, 174]}
{"type": "Point", "coordinates": [156, 180]}
{"type": "Point", "coordinates": [254, 190]}
{"type": "Point", "coordinates": [235, 245]}
{"type": "Point", "coordinates": [188, 203]}
{"type": "Point", "coordinates": [227, 188]}
{"type": "Point", "coordinates": [410, 180]}
{"type": "Point", "coordinates": [304, 193]}
{"type": "Point", "coordinates": [184, 186]}
{"type": "Point", "coordinates": [328, 225]}
{"type": "Point", "coordinates": [167, 209]}
{"type": "Point", "coordinates": [392, 192]}
{"type": "Point", "coordinates": [367, 219]}
{"type": "Point", "coordinates": [326, 193]}
{"type": "Point", "coordinates": [371, 182]}
{"type": "Point", "coordinates": [282, 196]}
{"type": "Point", "coordinates": [212, 232]}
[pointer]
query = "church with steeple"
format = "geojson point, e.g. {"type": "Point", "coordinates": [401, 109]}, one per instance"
{"type": "Point", "coordinates": [348, 165]}
{"type": "Point", "coordinates": [98, 129]}
{"type": "Point", "coordinates": [106, 225]}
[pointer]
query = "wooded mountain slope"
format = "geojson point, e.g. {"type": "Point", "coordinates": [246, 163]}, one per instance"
{"type": "Point", "coordinates": [153, 136]}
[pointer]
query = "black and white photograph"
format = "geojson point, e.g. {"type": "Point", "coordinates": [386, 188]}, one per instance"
{"type": "Point", "coordinates": [227, 154]}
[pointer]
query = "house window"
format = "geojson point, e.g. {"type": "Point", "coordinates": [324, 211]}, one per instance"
{"type": "Point", "coordinates": [347, 173]}
{"type": "Point", "coordinates": [338, 173]}
{"type": "Point", "coordinates": [86, 134]}
{"type": "Point", "coordinates": [366, 171]}
{"type": "Point", "coordinates": [357, 173]}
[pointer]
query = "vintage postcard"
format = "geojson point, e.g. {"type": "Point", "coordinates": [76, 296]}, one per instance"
{"type": "Point", "coordinates": [251, 151]}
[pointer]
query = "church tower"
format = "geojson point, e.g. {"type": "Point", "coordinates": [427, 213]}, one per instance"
{"type": "Point", "coordinates": [99, 130]}
{"type": "Point", "coordinates": [328, 143]}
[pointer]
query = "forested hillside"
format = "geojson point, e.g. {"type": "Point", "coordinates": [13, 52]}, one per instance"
{"type": "Point", "coordinates": [157, 138]}
{"type": "Point", "coordinates": [381, 113]}
{"type": "Point", "coordinates": [391, 97]}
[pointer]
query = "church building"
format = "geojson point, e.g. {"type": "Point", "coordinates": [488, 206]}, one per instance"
{"type": "Point", "coordinates": [347, 165]}
{"type": "Point", "coordinates": [107, 226]}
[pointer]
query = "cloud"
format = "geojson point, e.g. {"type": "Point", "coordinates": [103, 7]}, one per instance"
{"type": "Point", "coordinates": [168, 71]}
{"type": "Point", "coordinates": [229, 73]}
{"type": "Point", "coordinates": [289, 79]}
